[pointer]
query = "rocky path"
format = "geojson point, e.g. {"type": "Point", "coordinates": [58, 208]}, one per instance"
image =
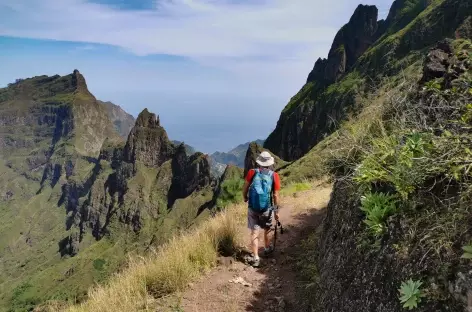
{"type": "Point", "coordinates": [234, 286]}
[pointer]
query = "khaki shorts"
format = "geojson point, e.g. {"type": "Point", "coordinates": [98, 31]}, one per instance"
{"type": "Point", "coordinates": [256, 221]}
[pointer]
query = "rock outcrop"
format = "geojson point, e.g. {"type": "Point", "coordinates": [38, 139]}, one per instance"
{"type": "Point", "coordinates": [148, 142]}
{"type": "Point", "coordinates": [299, 127]}
{"type": "Point", "coordinates": [253, 151]}
{"type": "Point", "coordinates": [189, 174]}
{"type": "Point", "coordinates": [350, 43]}
{"type": "Point", "coordinates": [437, 62]}
{"type": "Point", "coordinates": [465, 30]}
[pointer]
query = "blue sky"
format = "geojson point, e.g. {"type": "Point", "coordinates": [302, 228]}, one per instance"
{"type": "Point", "coordinates": [218, 72]}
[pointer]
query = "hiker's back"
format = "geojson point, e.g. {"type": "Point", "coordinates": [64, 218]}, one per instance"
{"type": "Point", "coordinates": [260, 191]}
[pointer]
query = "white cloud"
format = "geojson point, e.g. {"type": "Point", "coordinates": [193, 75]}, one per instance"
{"type": "Point", "coordinates": [193, 28]}
{"type": "Point", "coordinates": [272, 39]}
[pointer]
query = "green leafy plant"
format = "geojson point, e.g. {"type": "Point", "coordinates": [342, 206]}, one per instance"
{"type": "Point", "coordinates": [461, 164]}
{"type": "Point", "coordinates": [467, 252]}
{"type": "Point", "coordinates": [377, 207]}
{"type": "Point", "coordinates": [433, 85]}
{"type": "Point", "coordinates": [410, 294]}
{"type": "Point", "coordinates": [467, 116]}
{"type": "Point", "coordinates": [402, 161]}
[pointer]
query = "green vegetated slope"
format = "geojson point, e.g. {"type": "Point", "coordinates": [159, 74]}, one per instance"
{"type": "Point", "coordinates": [49, 126]}
{"type": "Point", "coordinates": [75, 199]}
{"type": "Point", "coordinates": [403, 199]}
{"type": "Point", "coordinates": [364, 53]}
{"type": "Point", "coordinates": [230, 190]}
{"type": "Point", "coordinates": [397, 232]}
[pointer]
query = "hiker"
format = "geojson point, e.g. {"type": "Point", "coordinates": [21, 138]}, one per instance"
{"type": "Point", "coordinates": [261, 192]}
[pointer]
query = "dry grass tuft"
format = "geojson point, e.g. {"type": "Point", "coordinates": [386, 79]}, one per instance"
{"type": "Point", "coordinates": [170, 269]}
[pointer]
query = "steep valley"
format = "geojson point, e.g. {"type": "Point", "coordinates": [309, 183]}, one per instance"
{"type": "Point", "coordinates": [76, 198]}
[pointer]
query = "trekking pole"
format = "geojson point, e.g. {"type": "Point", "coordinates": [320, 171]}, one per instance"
{"type": "Point", "coordinates": [275, 233]}
{"type": "Point", "coordinates": [281, 227]}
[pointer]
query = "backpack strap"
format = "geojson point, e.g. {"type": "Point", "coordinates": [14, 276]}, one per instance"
{"type": "Point", "coordinates": [254, 175]}
{"type": "Point", "coordinates": [271, 174]}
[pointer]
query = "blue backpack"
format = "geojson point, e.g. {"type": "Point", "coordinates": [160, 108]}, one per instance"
{"type": "Point", "coordinates": [260, 190]}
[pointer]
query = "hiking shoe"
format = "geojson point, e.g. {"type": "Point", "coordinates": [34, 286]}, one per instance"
{"type": "Point", "coordinates": [268, 251]}
{"type": "Point", "coordinates": [256, 262]}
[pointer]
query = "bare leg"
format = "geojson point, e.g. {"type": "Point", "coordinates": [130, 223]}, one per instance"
{"type": "Point", "coordinates": [255, 242]}
{"type": "Point", "coordinates": [266, 238]}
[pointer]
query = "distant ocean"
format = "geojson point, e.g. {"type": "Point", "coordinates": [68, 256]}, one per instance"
{"type": "Point", "coordinates": [207, 122]}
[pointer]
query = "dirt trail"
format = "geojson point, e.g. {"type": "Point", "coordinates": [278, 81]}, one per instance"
{"type": "Point", "coordinates": [234, 286]}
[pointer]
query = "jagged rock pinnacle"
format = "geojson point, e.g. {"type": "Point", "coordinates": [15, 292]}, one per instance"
{"type": "Point", "coordinates": [148, 141]}
{"type": "Point", "coordinates": [148, 120]}
{"type": "Point", "coordinates": [78, 81]}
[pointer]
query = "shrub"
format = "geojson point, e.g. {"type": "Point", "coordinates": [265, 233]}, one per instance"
{"type": "Point", "coordinates": [377, 207]}
{"type": "Point", "coordinates": [99, 264]}
{"type": "Point", "coordinates": [230, 193]}
{"type": "Point", "coordinates": [22, 299]}
{"type": "Point", "coordinates": [403, 161]}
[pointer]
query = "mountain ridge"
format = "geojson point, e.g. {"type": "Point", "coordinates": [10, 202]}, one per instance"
{"type": "Point", "coordinates": [93, 194]}
{"type": "Point", "coordinates": [338, 84]}
{"type": "Point", "coordinates": [236, 156]}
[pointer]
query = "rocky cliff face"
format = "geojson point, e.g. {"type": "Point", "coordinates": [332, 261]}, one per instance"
{"type": "Point", "coordinates": [253, 151]}
{"type": "Point", "coordinates": [402, 12]}
{"type": "Point", "coordinates": [189, 174]}
{"type": "Point", "coordinates": [364, 47]}
{"type": "Point", "coordinates": [303, 122]}
{"type": "Point", "coordinates": [122, 121]}
{"type": "Point", "coordinates": [350, 43]}
{"type": "Point", "coordinates": [50, 122]}
{"type": "Point", "coordinates": [70, 185]}
{"type": "Point", "coordinates": [110, 198]}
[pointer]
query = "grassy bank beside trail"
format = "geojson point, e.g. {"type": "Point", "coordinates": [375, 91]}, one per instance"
{"type": "Point", "coordinates": [169, 269]}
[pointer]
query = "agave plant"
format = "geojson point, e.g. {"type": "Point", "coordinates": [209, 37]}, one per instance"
{"type": "Point", "coordinates": [410, 294]}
